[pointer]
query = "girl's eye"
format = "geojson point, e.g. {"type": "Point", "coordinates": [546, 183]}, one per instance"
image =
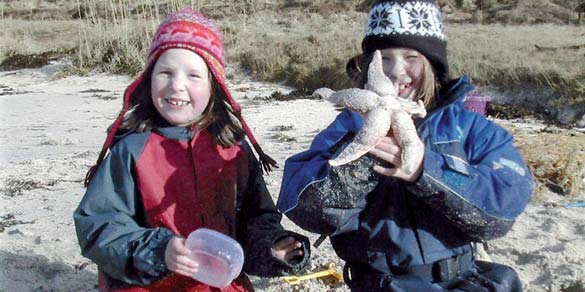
{"type": "Point", "coordinates": [386, 61]}
{"type": "Point", "coordinates": [412, 57]}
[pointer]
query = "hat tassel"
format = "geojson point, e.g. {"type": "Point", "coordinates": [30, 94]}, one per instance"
{"type": "Point", "coordinates": [266, 162]}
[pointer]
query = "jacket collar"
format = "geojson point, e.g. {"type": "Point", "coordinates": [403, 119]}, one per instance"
{"type": "Point", "coordinates": [174, 132]}
{"type": "Point", "coordinates": [455, 91]}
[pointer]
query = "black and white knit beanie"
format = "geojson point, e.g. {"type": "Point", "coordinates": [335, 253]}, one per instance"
{"type": "Point", "coordinates": [410, 24]}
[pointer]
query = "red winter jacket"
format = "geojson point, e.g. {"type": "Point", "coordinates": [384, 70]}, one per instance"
{"type": "Point", "coordinates": [167, 182]}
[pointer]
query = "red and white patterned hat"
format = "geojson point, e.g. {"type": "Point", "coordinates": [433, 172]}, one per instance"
{"type": "Point", "coordinates": [187, 29]}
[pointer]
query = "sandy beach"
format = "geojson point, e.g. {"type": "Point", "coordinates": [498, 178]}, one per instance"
{"type": "Point", "coordinates": [51, 131]}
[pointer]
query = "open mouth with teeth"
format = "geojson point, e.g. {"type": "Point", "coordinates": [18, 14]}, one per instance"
{"type": "Point", "coordinates": [404, 90]}
{"type": "Point", "coordinates": [176, 102]}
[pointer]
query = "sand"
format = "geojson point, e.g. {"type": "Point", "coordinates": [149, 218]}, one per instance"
{"type": "Point", "coordinates": [52, 129]}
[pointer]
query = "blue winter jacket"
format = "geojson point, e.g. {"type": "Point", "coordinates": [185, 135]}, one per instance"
{"type": "Point", "coordinates": [473, 186]}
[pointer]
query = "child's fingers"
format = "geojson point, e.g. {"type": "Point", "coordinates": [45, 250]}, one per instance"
{"type": "Point", "coordinates": [181, 246]}
{"type": "Point", "coordinates": [388, 144]}
{"type": "Point", "coordinates": [287, 248]}
{"type": "Point", "coordinates": [177, 244]}
{"type": "Point", "coordinates": [186, 261]}
{"type": "Point", "coordinates": [388, 140]}
{"type": "Point", "coordinates": [185, 270]}
{"type": "Point", "coordinates": [294, 245]}
{"type": "Point", "coordinates": [175, 251]}
{"type": "Point", "coordinates": [388, 150]}
{"type": "Point", "coordinates": [284, 244]}
{"type": "Point", "coordinates": [393, 158]}
{"type": "Point", "coordinates": [295, 253]}
{"type": "Point", "coordinates": [387, 171]}
{"type": "Point", "coordinates": [178, 256]}
{"type": "Point", "coordinates": [182, 264]}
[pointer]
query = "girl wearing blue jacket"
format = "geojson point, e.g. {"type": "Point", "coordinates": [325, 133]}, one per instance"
{"type": "Point", "coordinates": [412, 231]}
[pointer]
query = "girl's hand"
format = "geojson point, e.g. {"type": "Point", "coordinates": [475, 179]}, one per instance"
{"type": "Point", "coordinates": [287, 248]}
{"type": "Point", "coordinates": [389, 150]}
{"type": "Point", "coordinates": [178, 257]}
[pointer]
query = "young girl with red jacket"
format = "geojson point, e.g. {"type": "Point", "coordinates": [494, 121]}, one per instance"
{"type": "Point", "coordinates": [175, 160]}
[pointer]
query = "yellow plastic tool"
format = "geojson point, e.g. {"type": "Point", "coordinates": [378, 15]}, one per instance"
{"type": "Point", "coordinates": [331, 271]}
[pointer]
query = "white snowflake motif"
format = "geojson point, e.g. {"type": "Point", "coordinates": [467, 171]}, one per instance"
{"type": "Point", "coordinates": [438, 20]}
{"type": "Point", "coordinates": [410, 18]}
{"type": "Point", "coordinates": [419, 18]}
{"type": "Point", "coordinates": [379, 19]}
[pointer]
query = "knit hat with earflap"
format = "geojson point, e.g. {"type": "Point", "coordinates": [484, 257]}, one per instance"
{"type": "Point", "coordinates": [190, 30]}
{"type": "Point", "coordinates": [408, 24]}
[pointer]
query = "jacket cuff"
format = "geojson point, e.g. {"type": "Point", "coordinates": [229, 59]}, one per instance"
{"type": "Point", "coordinates": [296, 264]}
{"type": "Point", "coordinates": [449, 200]}
{"type": "Point", "coordinates": [262, 262]}
{"type": "Point", "coordinates": [150, 260]}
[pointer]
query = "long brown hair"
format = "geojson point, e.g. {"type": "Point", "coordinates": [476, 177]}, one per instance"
{"type": "Point", "coordinates": [218, 117]}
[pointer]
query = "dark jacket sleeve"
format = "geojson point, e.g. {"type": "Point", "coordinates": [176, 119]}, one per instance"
{"type": "Point", "coordinates": [259, 228]}
{"type": "Point", "coordinates": [324, 206]}
{"type": "Point", "coordinates": [110, 230]}
{"type": "Point", "coordinates": [480, 183]}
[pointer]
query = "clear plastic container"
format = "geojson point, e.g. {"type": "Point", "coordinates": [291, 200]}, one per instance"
{"type": "Point", "coordinates": [220, 257]}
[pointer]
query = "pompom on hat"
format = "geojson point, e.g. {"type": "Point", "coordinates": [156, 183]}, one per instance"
{"type": "Point", "coordinates": [186, 29]}
{"type": "Point", "coordinates": [407, 24]}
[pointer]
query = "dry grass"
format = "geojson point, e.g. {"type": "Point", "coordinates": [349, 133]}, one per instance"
{"type": "Point", "coordinates": [304, 51]}
{"type": "Point", "coordinates": [304, 43]}
{"type": "Point", "coordinates": [36, 36]}
{"type": "Point", "coordinates": [508, 57]}
{"type": "Point", "coordinates": [560, 169]}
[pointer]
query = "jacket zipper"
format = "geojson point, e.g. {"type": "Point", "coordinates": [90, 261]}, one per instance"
{"type": "Point", "coordinates": [194, 172]}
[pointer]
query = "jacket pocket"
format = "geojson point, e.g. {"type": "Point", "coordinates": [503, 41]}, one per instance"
{"type": "Point", "coordinates": [453, 153]}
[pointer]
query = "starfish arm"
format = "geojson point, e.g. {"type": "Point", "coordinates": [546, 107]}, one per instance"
{"type": "Point", "coordinates": [420, 111]}
{"type": "Point", "coordinates": [378, 82]}
{"type": "Point", "coordinates": [376, 125]}
{"type": "Point", "coordinates": [405, 132]}
{"type": "Point", "coordinates": [359, 100]}
{"type": "Point", "coordinates": [416, 109]}
{"type": "Point", "coordinates": [392, 103]}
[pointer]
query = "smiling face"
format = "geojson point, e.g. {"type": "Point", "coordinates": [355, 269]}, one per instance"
{"type": "Point", "coordinates": [405, 67]}
{"type": "Point", "coordinates": [180, 86]}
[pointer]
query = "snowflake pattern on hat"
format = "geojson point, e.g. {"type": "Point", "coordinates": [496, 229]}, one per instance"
{"type": "Point", "coordinates": [410, 18]}
{"type": "Point", "coordinates": [379, 18]}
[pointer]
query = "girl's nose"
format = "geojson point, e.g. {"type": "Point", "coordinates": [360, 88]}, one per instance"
{"type": "Point", "coordinates": [395, 70]}
{"type": "Point", "coordinates": [177, 84]}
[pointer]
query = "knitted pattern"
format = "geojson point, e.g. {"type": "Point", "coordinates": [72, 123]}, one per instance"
{"type": "Point", "coordinates": [408, 24]}
{"type": "Point", "coordinates": [190, 30]}
{"type": "Point", "coordinates": [409, 18]}
{"type": "Point", "coordinates": [187, 29]}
